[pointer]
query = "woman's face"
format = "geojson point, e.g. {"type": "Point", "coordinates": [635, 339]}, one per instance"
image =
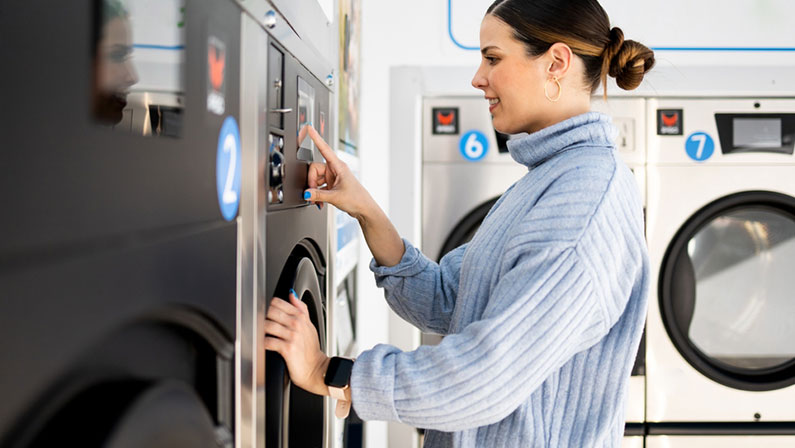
{"type": "Point", "coordinates": [115, 71]}
{"type": "Point", "coordinates": [512, 81]}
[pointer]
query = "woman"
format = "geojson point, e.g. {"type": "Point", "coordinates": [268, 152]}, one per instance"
{"type": "Point", "coordinates": [114, 72]}
{"type": "Point", "coordinates": [543, 310]}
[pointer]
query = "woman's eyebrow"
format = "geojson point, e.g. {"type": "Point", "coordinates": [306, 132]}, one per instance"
{"type": "Point", "coordinates": [490, 47]}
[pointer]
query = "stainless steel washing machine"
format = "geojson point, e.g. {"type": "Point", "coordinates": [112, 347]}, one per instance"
{"type": "Point", "coordinates": [156, 181]}
{"type": "Point", "coordinates": [721, 231]}
{"type": "Point", "coordinates": [118, 257]}
{"type": "Point", "coordinates": [289, 239]}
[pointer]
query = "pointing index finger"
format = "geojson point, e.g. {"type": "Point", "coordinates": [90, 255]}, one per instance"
{"type": "Point", "coordinates": [324, 148]}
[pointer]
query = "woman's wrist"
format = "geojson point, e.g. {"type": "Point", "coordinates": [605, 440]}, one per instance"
{"type": "Point", "coordinates": [320, 377]}
{"type": "Point", "coordinates": [369, 213]}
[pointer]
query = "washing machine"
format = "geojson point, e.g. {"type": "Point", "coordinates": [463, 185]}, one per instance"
{"type": "Point", "coordinates": [466, 167]}
{"type": "Point", "coordinates": [157, 184]}
{"type": "Point", "coordinates": [720, 356]}
{"type": "Point", "coordinates": [285, 93]}
{"type": "Point", "coordinates": [118, 258]}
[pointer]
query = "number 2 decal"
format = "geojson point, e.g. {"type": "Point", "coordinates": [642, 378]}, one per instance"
{"type": "Point", "coordinates": [227, 169]}
{"type": "Point", "coordinates": [230, 146]}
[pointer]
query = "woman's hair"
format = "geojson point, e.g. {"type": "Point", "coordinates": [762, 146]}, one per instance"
{"type": "Point", "coordinates": [584, 26]}
{"type": "Point", "coordinates": [104, 12]}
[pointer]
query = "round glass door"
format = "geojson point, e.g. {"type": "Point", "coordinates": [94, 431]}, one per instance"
{"type": "Point", "coordinates": [726, 291]}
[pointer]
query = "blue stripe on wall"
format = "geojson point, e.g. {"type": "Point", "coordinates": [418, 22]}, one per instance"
{"type": "Point", "coordinates": [159, 47]}
{"type": "Point", "coordinates": [759, 49]}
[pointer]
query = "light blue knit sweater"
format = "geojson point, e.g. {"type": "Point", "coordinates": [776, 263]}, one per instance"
{"type": "Point", "coordinates": [543, 309]}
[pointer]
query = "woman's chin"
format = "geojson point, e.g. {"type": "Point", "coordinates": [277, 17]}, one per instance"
{"type": "Point", "coordinates": [501, 127]}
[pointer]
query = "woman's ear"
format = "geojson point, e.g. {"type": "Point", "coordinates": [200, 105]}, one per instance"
{"type": "Point", "coordinates": [559, 58]}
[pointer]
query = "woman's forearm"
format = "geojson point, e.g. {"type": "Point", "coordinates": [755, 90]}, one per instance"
{"type": "Point", "coordinates": [381, 236]}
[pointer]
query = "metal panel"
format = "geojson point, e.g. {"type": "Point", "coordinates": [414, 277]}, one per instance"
{"type": "Point", "coordinates": [719, 441]}
{"type": "Point", "coordinates": [250, 424]}
{"type": "Point", "coordinates": [632, 442]}
{"type": "Point", "coordinates": [450, 192]}
{"type": "Point", "coordinates": [699, 115]}
{"type": "Point", "coordinates": [318, 61]}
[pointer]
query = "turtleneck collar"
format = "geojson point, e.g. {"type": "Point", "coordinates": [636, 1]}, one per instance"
{"type": "Point", "coordinates": [588, 129]}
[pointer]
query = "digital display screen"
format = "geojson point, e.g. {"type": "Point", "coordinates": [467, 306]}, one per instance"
{"type": "Point", "coordinates": [757, 133]}
{"type": "Point", "coordinates": [306, 115]}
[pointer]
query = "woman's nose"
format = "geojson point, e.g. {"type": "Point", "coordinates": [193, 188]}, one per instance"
{"type": "Point", "coordinates": [132, 75]}
{"type": "Point", "coordinates": [479, 81]}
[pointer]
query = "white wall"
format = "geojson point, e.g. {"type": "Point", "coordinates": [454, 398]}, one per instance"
{"type": "Point", "coordinates": [415, 33]}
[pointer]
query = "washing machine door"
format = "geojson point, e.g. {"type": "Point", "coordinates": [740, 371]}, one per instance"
{"type": "Point", "coordinates": [726, 291]}
{"type": "Point", "coordinates": [131, 413]}
{"type": "Point", "coordinates": [294, 417]}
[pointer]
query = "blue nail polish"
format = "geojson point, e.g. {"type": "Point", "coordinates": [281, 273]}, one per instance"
{"type": "Point", "coordinates": [319, 207]}
{"type": "Point", "coordinates": [307, 195]}
{"type": "Point", "coordinates": [292, 291]}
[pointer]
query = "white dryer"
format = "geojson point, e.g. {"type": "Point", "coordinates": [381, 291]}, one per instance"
{"type": "Point", "coordinates": [465, 169]}
{"type": "Point", "coordinates": [720, 337]}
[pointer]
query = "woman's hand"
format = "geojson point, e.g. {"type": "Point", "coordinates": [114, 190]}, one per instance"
{"type": "Point", "coordinates": [341, 189]}
{"type": "Point", "coordinates": [289, 332]}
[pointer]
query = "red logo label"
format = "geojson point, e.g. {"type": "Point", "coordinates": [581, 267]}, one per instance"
{"type": "Point", "coordinates": [670, 120]}
{"type": "Point", "coordinates": [445, 119]}
{"type": "Point", "coordinates": [217, 60]}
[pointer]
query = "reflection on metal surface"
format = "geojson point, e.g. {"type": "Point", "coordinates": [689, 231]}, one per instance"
{"type": "Point", "coordinates": [138, 59]}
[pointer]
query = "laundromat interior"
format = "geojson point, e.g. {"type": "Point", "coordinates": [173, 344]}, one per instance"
{"type": "Point", "coordinates": [154, 161]}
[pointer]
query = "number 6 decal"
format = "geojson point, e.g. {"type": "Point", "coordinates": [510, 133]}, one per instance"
{"type": "Point", "coordinates": [473, 145]}
{"type": "Point", "coordinates": [227, 169]}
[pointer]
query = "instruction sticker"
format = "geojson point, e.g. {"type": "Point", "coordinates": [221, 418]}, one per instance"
{"type": "Point", "coordinates": [227, 168]}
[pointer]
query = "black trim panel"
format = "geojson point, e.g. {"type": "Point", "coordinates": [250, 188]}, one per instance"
{"type": "Point", "coordinates": [721, 429]}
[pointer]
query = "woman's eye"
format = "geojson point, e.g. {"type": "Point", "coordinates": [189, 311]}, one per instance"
{"type": "Point", "coordinates": [492, 60]}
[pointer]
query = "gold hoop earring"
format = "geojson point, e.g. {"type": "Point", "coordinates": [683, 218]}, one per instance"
{"type": "Point", "coordinates": [560, 90]}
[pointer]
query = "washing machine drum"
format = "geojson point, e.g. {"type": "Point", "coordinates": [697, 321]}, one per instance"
{"type": "Point", "coordinates": [465, 230]}
{"type": "Point", "coordinates": [294, 417]}
{"type": "Point", "coordinates": [132, 414]}
{"type": "Point", "coordinates": [726, 291]}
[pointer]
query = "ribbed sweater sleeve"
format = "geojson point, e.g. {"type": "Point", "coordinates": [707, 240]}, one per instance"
{"type": "Point", "coordinates": [545, 307]}
{"type": "Point", "coordinates": [479, 376]}
{"type": "Point", "coordinates": [420, 291]}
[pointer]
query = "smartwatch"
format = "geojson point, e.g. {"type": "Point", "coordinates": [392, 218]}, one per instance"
{"type": "Point", "coordinates": [338, 378]}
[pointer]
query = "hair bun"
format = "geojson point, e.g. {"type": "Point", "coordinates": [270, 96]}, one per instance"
{"type": "Point", "coordinates": [627, 60]}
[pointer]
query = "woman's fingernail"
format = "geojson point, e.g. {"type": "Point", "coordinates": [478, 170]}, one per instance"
{"type": "Point", "coordinates": [292, 291]}
{"type": "Point", "coordinates": [307, 195]}
{"type": "Point", "coordinates": [319, 207]}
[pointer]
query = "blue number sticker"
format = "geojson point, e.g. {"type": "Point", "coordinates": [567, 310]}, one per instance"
{"type": "Point", "coordinates": [473, 145]}
{"type": "Point", "coordinates": [699, 146]}
{"type": "Point", "coordinates": [227, 168]}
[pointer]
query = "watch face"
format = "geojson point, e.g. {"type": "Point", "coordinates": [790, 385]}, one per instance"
{"type": "Point", "coordinates": [338, 373]}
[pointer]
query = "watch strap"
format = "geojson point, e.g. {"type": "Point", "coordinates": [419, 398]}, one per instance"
{"type": "Point", "coordinates": [337, 393]}
{"type": "Point", "coordinates": [343, 408]}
